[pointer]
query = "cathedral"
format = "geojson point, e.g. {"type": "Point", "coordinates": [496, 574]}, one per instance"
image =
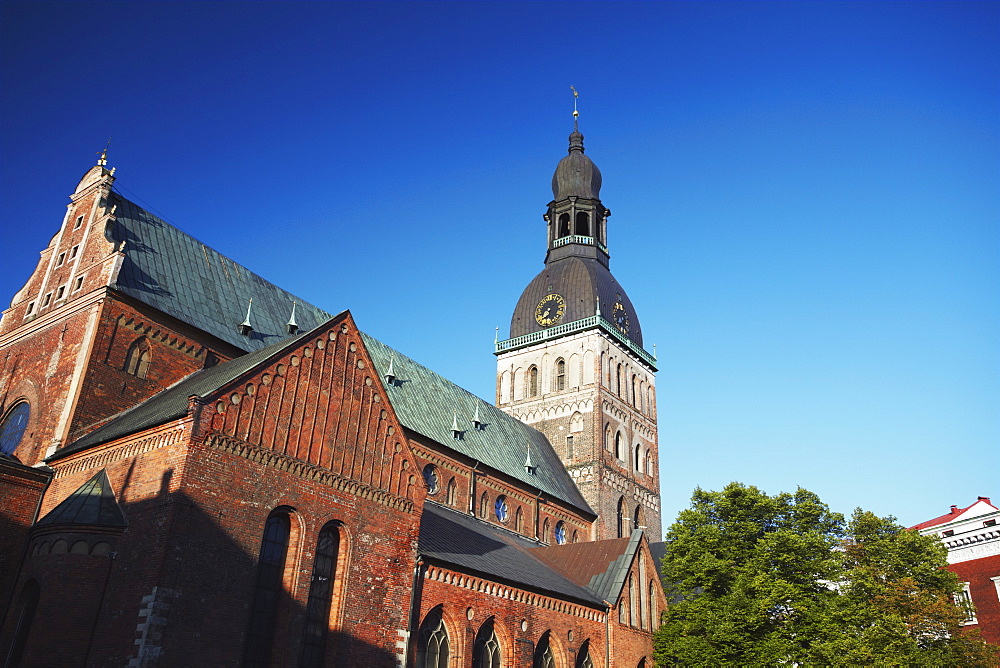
{"type": "Point", "coordinates": [199, 468]}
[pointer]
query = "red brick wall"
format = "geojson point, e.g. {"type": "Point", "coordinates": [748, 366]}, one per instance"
{"type": "Point", "coordinates": [985, 596]}
{"type": "Point", "coordinates": [21, 490]}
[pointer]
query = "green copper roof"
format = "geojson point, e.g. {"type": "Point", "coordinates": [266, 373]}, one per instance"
{"type": "Point", "coordinates": [429, 404]}
{"type": "Point", "coordinates": [184, 278]}
{"type": "Point", "coordinates": [93, 504]}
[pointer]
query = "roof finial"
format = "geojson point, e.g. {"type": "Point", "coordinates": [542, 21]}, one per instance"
{"type": "Point", "coordinates": [597, 311]}
{"type": "Point", "coordinates": [245, 326]}
{"type": "Point", "coordinates": [576, 113]}
{"type": "Point", "coordinates": [390, 374]}
{"type": "Point", "coordinates": [529, 468]}
{"type": "Point", "coordinates": [477, 422]}
{"type": "Point", "coordinates": [103, 160]}
{"type": "Point", "coordinates": [455, 431]}
{"type": "Point", "coordinates": [291, 325]}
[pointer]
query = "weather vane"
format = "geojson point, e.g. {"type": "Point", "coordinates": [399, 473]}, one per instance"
{"type": "Point", "coordinates": [104, 154]}
{"type": "Point", "coordinates": [576, 96]}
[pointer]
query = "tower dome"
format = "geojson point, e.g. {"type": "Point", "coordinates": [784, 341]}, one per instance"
{"type": "Point", "coordinates": [576, 175]}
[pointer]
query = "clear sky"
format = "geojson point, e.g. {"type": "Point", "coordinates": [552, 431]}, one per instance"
{"type": "Point", "coordinates": [806, 197]}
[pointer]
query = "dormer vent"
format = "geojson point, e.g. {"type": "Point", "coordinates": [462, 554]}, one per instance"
{"type": "Point", "coordinates": [291, 325]}
{"type": "Point", "coordinates": [476, 420]}
{"type": "Point", "coordinates": [390, 374]}
{"type": "Point", "coordinates": [455, 431]}
{"type": "Point", "coordinates": [529, 467]}
{"type": "Point", "coordinates": [245, 327]}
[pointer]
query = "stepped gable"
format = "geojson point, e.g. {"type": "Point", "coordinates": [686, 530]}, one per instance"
{"type": "Point", "coordinates": [427, 404]}
{"type": "Point", "coordinates": [93, 504]}
{"type": "Point", "coordinates": [599, 566]}
{"type": "Point", "coordinates": [454, 538]}
{"type": "Point", "coordinates": [172, 403]}
{"type": "Point", "coordinates": [177, 274]}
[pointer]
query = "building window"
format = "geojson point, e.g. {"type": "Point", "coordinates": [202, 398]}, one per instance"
{"type": "Point", "coordinates": [569, 447]}
{"type": "Point", "coordinates": [519, 521]}
{"type": "Point", "coordinates": [560, 533]}
{"type": "Point", "coordinates": [486, 649]}
{"type": "Point", "coordinates": [500, 509]}
{"type": "Point", "coordinates": [60, 291]}
{"type": "Point", "coordinates": [583, 659]}
{"type": "Point", "coordinates": [267, 590]}
{"type": "Point", "coordinates": [649, 462]}
{"type": "Point", "coordinates": [618, 445]}
{"type": "Point", "coordinates": [560, 380]}
{"type": "Point", "coordinates": [31, 308]}
{"type": "Point", "coordinates": [964, 601]}
{"type": "Point", "coordinates": [637, 517]}
{"type": "Point", "coordinates": [431, 479]}
{"type": "Point", "coordinates": [73, 251]}
{"type": "Point", "coordinates": [13, 426]}
{"type": "Point", "coordinates": [452, 496]}
{"type": "Point", "coordinates": [618, 380]}
{"type": "Point", "coordinates": [320, 596]}
{"type": "Point", "coordinates": [61, 259]}
{"type": "Point", "coordinates": [46, 300]}
{"type": "Point", "coordinates": [484, 505]}
{"type": "Point", "coordinates": [545, 529]}
{"type": "Point", "coordinates": [607, 436]}
{"type": "Point", "coordinates": [137, 359]}
{"type": "Point", "coordinates": [563, 225]}
{"type": "Point", "coordinates": [79, 222]}
{"type": "Point", "coordinates": [653, 619]}
{"type": "Point", "coordinates": [78, 284]}
{"type": "Point", "coordinates": [638, 458]}
{"type": "Point", "coordinates": [533, 381]}
{"type": "Point", "coordinates": [433, 647]}
{"type": "Point", "coordinates": [633, 601]}
{"type": "Point", "coordinates": [947, 534]}
{"type": "Point", "coordinates": [543, 653]}
{"type": "Point", "coordinates": [621, 518]}
{"type": "Point", "coordinates": [583, 224]}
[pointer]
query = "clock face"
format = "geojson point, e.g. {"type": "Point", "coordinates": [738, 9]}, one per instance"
{"type": "Point", "coordinates": [550, 310]}
{"type": "Point", "coordinates": [620, 317]}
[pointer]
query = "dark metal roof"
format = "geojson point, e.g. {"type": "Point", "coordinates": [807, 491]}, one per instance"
{"type": "Point", "coordinates": [184, 278]}
{"type": "Point", "coordinates": [580, 281]}
{"type": "Point", "coordinates": [460, 540]}
{"type": "Point", "coordinates": [428, 404]}
{"type": "Point", "coordinates": [172, 403]}
{"type": "Point", "coordinates": [576, 175]}
{"type": "Point", "coordinates": [600, 566]}
{"type": "Point", "coordinates": [93, 504]}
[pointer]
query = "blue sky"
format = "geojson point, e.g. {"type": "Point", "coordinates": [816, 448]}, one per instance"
{"type": "Point", "coordinates": [806, 197]}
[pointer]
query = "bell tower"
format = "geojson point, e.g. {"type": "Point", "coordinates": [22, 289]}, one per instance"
{"type": "Point", "coordinates": [574, 366]}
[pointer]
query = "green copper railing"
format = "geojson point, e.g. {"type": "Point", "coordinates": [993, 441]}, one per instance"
{"type": "Point", "coordinates": [571, 328]}
{"type": "Point", "coordinates": [578, 239]}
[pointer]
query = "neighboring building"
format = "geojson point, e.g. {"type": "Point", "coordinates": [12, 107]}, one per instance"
{"type": "Point", "coordinates": [972, 536]}
{"type": "Point", "coordinates": [203, 469]}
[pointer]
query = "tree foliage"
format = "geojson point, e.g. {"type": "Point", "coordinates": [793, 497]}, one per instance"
{"type": "Point", "coordinates": [765, 580]}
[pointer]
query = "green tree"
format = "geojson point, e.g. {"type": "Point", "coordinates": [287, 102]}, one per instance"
{"type": "Point", "coordinates": [767, 580]}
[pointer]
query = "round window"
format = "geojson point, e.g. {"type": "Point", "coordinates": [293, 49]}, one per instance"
{"type": "Point", "coordinates": [560, 533]}
{"type": "Point", "coordinates": [13, 426]}
{"type": "Point", "coordinates": [502, 511]}
{"type": "Point", "coordinates": [431, 478]}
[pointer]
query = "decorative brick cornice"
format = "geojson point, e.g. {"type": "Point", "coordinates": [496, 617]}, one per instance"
{"type": "Point", "coordinates": [306, 471]}
{"type": "Point", "coordinates": [104, 455]}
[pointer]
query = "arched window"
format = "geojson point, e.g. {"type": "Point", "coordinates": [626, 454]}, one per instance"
{"type": "Point", "coordinates": [431, 479]}
{"type": "Point", "coordinates": [500, 509]}
{"type": "Point", "coordinates": [607, 436]}
{"type": "Point", "coordinates": [633, 601]}
{"type": "Point", "coordinates": [653, 618]}
{"type": "Point", "coordinates": [486, 649]}
{"type": "Point", "coordinates": [137, 359]}
{"type": "Point", "coordinates": [638, 457]}
{"type": "Point", "coordinates": [618, 444]}
{"type": "Point", "coordinates": [559, 383]}
{"type": "Point", "coordinates": [533, 381]}
{"type": "Point", "coordinates": [267, 590]}
{"type": "Point", "coordinates": [519, 521]}
{"type": "Point", "coordinates": [13, 426]}
{"type": "Point", "coordinates": [635, 396]}
{"type": "Point", "coordinates": [320, 596]}
{"type": "Point", "coordinates": [543, 653]}
{"type": "Point", "coordinates": [576, 535]}
{"type": "Point", "coordinates": [583, 659]}
{"type": "Point", "coordinates": [433, 647]}
{"type": "Point", "coordinates": [563, 226]}
{"type": "Point", "coordinates": [484, 505]}
{"type": "Point", "coordinates": [637, 517]}
{"type": "Point", "coordinates": [582, 224]}
{"type": "Point", "coordinates": [618, 380]}
{"type": "Point", "coordinates": [452, 496]}
{"type": "Point", "coordinates": [649, 463]}
{"type": "Point", "coordinates": [25, 616]}
{"type": "Point", "coordinates": [621, 518]}
{"type": "Point", "coordinates": [560, 533]}
{"type": "Point", "coordinates": [545, 529]}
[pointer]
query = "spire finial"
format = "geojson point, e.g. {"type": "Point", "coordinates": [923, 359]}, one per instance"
{"type": "Point", "coordinates": [390, 374]}
{"type": "Point", "coordinates": [291, 325]}
{"type": "Point", "coordinates": [576, 112]}
{"type": "Point", "coordinates": [245, 326]}
{"type": "Point", "coordinates": [103, 160]}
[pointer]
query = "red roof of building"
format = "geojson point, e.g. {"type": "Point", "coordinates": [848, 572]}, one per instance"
{"type": "Point", "coordinates": [951, 515]}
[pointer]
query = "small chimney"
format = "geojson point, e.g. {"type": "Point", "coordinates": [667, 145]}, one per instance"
{"type": "Point", "coordinates": [954, 509]}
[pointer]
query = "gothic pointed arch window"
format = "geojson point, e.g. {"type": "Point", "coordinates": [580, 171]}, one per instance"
{"type": "Point", "coordinates": [618, 445]}
{"type": "Point", "coordinates": [13, 426]}
{"type": "Point", "coordinates": [433, 645]}
{"type": "Point", "coordinates": [560, 533]}
{"type": "Point", "coordinates": [649, 462]}
{"type": "Point", "coordinates": [268, 590]}
{"type": "Point", "coordinates": [452, 494]}
{"type": "Point", "coordinates": [583, 224]}
{"type": "Point", "coordinates": [137, 358]}
{"type": "Point", "coordinates": [543, 653]}
{"type": "Point", "coordinates": [621, 518]}
{"type": "Point", "coordinates": [653, 618]}
{"type": "Point", "coordinates": [545, 529]}
{"type": "Point", "coordinates": [532, 381]}
{"type": "Point", "coordinates": [635, 387]}
{"type": "Point", "coordinates": [559, 382]}
{"type": "Point", "coordinates": [607, 436]}
{"type": "Point", "coordinates": [618, 380]}
{"type": "Point", "coordinates": [583, 658]}
{"type": "Point", "coordinates": [637, 517]}
{"type": "Point", "coordinates": [563, 226]}
{"type": "Point", "coordinates": [321, 596]}
{"type": "Point", "coordinates": [486, 648]}
{"type": "Point", "coordinates": [519, 520]}
{"type": "Point", "coordinates": [484, 505]}
{"type": "Point", "coordinates": [638, 457]}
{"type": "Point", "coordinates": [633, 601]}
